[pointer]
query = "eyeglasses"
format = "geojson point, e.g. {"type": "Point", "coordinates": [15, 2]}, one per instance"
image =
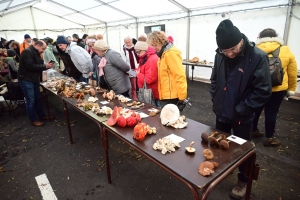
{"type": "Point", "coordinates": [233, 49]}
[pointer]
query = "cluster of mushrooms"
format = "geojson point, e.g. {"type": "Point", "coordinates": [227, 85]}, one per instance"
{"type": "Point", "coordinates": [216, 139]}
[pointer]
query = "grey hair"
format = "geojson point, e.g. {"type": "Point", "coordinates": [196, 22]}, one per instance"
{"type": "Point", "coordinates": [127, 38]}
{"type": "Point", "coordinates": [143, 35]}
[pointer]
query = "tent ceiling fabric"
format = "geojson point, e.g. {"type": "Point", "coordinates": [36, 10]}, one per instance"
{"type": "Point", "coordinates": [93, 12]}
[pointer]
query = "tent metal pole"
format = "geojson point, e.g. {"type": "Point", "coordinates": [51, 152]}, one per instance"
{"type": "Point", "coordinates": [36, 35]}
{"type": "Point", "coordinates": [7, 7]}
{"type": "Point", "coordinates": [188, 41]}
{"type": "Point", "coordinates": [137, 28]}
{"type": "Point", "coordinates": [287, 22]}
{"type": "Point", "coordinates": [106, 32]}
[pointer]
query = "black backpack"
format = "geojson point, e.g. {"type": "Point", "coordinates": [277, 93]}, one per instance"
{"type": "Point", "coordinates": [276, 70]}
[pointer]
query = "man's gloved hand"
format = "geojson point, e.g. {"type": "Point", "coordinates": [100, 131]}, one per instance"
{"type": "Point", "coordinates": [288, 94]}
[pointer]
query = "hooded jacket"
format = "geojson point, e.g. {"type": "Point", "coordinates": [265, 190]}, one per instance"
{"type": "Point", "coordinates": [148, 71]}
{"type": "Point", "coordinates": [288, 62]}
{"type": "Point", "coordinates": [81, 59]}
{"type": "Point", "coordinates": [241, 85]}
{"type": "Point", "coordinates": [23, 45]}
{"type": "Point", "coordinates": [171, 75]}
{"type": "Point", "coordinates": [48, 56]}
{"type": "Point", "coordinates": [12, 66]}
{"type": "Point", "coordinates": [31, 65]}
{"type": "Point", "coordinates": [17, 50]}
{"type": "Point", "coordinates": [115, 72]}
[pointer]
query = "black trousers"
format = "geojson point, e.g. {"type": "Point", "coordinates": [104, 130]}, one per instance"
{"type": "Point", "coordinates": [240, 130]}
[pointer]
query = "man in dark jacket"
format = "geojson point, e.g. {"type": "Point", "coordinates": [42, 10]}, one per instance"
{"type": "Point", "coordinates": [78, 40]}
{"type": "Point", "coordinates": [240, 84]}
{"type": "Point", "coordinates": [30, 67]}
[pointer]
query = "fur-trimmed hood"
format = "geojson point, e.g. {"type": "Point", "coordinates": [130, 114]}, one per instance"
{"type": "Point", "coordinates": [11, 46]}
{"type": "Point", "coordinates": [269, 44]}
{"type": "Point", "coordinates": [270, 39]}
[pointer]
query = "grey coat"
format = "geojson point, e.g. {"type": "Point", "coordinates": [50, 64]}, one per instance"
{"type": "Point", "coordinates": [115, 72]}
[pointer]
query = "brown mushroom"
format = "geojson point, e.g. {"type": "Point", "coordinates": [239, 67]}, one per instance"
{"type": "Point", "coordinates": [214, 142]}
{"type": "Point", "coordinates": [206, 168]}
{"type": "Point", "coordinates": [213, 134]}
{"type": "Point", "coordinates": [224, 144]}
{"type": "Point", "coordinates": [208, 154]}
{"type": "Point", "coordinates": [204, 137]}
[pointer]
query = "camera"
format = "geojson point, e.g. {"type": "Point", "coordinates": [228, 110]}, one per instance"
{"type": "Point", "coordinates": [181, 105]}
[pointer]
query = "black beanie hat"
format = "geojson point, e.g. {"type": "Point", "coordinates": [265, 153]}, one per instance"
{"type": "Point", "coordinates": [227, 35]}
{"type": "Point", "coordinates": [3, 40]}
{"type": "Point", "coordinates": [11, 53]}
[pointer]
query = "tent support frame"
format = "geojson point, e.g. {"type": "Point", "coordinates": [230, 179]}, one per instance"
{"type": "Point", "coordinates": [33, 21]}
{"type": "Point", "coordinates": [287, 21]}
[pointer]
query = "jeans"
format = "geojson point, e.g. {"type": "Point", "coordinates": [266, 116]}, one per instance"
{"type": "Point", "coordinates": [31, 92]}
{"type": "Point", "coordinates": [271, 111]}
{"type": "Point", "coordinates": [240, 130]}
{"type": "Point", "coordinates": [82, 79]}
{"type": "Point", "coordinates": [157, 103]}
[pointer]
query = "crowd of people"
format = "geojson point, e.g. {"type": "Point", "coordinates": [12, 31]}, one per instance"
{"type": "Point", "coordinates": [240, 90]}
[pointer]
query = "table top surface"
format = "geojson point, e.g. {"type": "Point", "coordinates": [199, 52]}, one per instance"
{"type": "Point", "coordinates": [182, 163]}
{"type": "Point", "coordinates": [198, 64]}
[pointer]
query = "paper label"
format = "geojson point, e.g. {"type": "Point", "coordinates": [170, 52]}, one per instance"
{"type": "Point", "coordinates": [236, 139]}
{"type": "Point", "coordinates": [104, 102]}
{"type": "Point", "coordinates": [143, 115]}
{"type": "Point", "coordinates": [175, 138]}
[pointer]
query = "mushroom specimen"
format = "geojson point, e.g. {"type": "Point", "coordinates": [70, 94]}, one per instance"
{"type": "Point", "coordinates": [224, 144]}
{"type": "Point", "coordinates": [215, 142]}
{"type": "Point", "coordinates": [204, 137]}
{"type": "Point", "coordinates": [208, 154]}
{"type": "Point", "coordinates": [206, 168]}
{"type": "Point", "coordinates": [190, 149]}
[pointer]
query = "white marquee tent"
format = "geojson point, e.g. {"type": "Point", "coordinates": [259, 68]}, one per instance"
{"type": "Point", "coordinates": [192, 23]}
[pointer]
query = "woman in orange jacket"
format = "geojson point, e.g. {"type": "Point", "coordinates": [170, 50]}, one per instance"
{"type": "Point", "coordinates": [26, 43]}
{"type": "Point", "coordinates": [268, 42]}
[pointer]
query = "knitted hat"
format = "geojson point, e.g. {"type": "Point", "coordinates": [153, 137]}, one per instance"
{"type": "Point", "coordinates": [26, 36]}
{"type": "Point", "coordinates": [11, 53]}
{"type": "Point", "coordinates": [100, 45]}
{"type": "Point", "coordinates": [84, 36]}
{"type": "Point", "coordinates": [140, 45]}
{"type": "Point", "coordinates": [3, 40]}
{"type": "Point", "coordinates": [170, 39]}
{"type": "Point", "coordinates": [227, 35]}
{"type": "Point", "coordinates": [61, 40]}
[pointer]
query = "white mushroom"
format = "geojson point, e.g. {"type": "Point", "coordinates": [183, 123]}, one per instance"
{"type": "Point", "coordinates": [190, 149]}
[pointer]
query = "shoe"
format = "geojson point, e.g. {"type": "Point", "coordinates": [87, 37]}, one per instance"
{"type": "Point", "coordinates": [37, 123]}
{"type": "Point", "coordinates": [257, 133]}
{"type": "Point", "coordinates": [239, 191]}
{"type": "Point", "coordinates": [47, 117]}
{"type": "Point", "coordinates": [271, 142]}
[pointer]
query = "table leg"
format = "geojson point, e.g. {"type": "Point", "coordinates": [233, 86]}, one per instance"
{"type": "Point", "coordinates": [193, 67]}
{"type": "Point", "coordinates": [47, 103]}
{"type": "Point", "coordinates": [106, 147]}
{"type": "Point", "coordinates": [66, 112]}
{"type": "Point", "coordinates": [252, 170]}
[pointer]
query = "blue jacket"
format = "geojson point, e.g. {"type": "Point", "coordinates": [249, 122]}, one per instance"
{"type": "Point", "coordinates": [241, 85]}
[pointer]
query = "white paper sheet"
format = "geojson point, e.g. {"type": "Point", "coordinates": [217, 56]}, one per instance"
{"type": "Point", "coordinates": [175, 138]}
{"type": "Point", "coordinates": [236, 139]}
{"type": "Point", "coordinates": [104, 102]}
{"type": "Point", "coordinates": [143, 115]}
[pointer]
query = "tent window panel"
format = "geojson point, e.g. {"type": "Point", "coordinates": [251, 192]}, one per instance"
{"type": "Point", "coordinates": [79, 5]}
{"type": "Point", "coordinates": [53, 8]}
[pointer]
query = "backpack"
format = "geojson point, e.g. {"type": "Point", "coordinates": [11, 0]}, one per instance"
{"type": "Point", "coordinates": [276, 70]}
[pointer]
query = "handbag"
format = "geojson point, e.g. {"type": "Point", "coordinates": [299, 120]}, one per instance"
{"type": "Point", "coordinates": [145, 94]}
{"type": "Point", "coordinates": [92, 81]}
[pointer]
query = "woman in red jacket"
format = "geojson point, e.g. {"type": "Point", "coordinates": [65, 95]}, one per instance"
{"type": "Point", "coordinates": [147, 68]}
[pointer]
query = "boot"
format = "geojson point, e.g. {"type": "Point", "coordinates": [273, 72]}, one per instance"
{"type": "Point", "coordinates": [37, 123]}
{"type": "Point", "coordinates": [239, 191]}
{"type": "Point", "coordinates": [257, 133]}
{"type": "Point", "coordinates": [271, 142]}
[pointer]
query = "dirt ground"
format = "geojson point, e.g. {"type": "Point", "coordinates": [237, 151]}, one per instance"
{"type": "Point", "coordinates": [78, 171]}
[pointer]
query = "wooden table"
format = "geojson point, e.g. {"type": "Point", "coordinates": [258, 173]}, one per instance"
{"type": "Point", "coordinates": [180, 164]}
{"type": "Point", "coordinates": [197, 65]}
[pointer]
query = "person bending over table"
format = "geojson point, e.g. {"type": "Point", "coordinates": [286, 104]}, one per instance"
{"type": "Point", "coordinates": [30, 67]}
{"type": "Point", "coordinates": [240, 84]}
